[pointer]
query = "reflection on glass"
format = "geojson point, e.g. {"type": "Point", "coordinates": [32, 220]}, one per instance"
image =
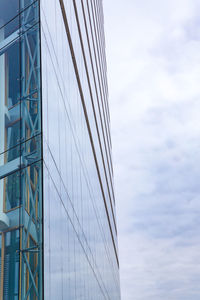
{"type": "Point", "coordinates": [10, 264]}
{"type": "Point", "coordinates": [31, 190]}
{"type": "Point", "coordinates": [9, 97]}
{"type": "Point", "coordinates": [80, 262]}
{"type": "Point", "coordinates": [9, 32]}
{"type": "Point", "coordinates": [32, 258]}
{"type": "Point", "coordinates": [8, 10]}
{"type": "Point", "coordinates": [30, 89]}
{"type": "Point", "coordinates": [20, 152]}
{"type": "Point", "coordinates": [11, 191]}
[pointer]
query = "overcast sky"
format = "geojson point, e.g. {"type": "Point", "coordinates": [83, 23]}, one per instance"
{"type": "Point", "coordinates": [153, 57]}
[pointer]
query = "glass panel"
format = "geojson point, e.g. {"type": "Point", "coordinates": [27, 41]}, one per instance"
{"type": "Point", "coordinates": [26, 3]}
{"type": "Point", "coordinates": [33, 258]}
{"type": "Point", "coordinates": [8, 10]}
{"type": "Point", "coordinates": [20, 150]}
{"type": "Point", "coordinates": [30, 85]}
{"type": "Point", "coordinates": [7, 157]}
{"type": "Point", "coordinates": [30, 218]}
{"type": "Point", "coordinates": [30, 14]}
{"type": "Point", "coordinates": [31, 151]}
{"type": "Point", "coordinates": [31, 189]}
{"type": "Point", "coordinates": [9, 30]}
{"type": "Point", "coordinates": [11, 265]}
{"type": "Point", "coordinates": [11, 191]}
{"type": "Point", "coordinates": [9, 97]}
{"type": "Point", "coordinates": [76, 225]}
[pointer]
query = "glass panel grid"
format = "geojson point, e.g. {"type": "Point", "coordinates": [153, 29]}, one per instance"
{"type": "Point", "coordinates": [20, 152]}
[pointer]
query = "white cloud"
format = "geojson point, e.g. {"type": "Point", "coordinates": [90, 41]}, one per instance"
{"type": "Point", "coordinates": [153, 55]}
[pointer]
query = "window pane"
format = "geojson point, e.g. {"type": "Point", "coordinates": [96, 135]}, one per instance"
{"type": "Point", "coordinates": [9, 97]}
{"type": "Point", "coordinates": [9, 30]}
{"type": "Point", "coordinates": [30, 84]}
{"type": "Point", "coordinates": [11, 265]}
{"type": "Point", "coordinates": [8, 10]}
{"type": "Point", "coordinates": [33, 257]}
{"type": "Point", "coordinates": [12, 191]}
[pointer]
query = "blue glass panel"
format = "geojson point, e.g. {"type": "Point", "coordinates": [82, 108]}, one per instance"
{"type": "Point", "coordinates": [20, 151]}
{"type": "Point", "coordinates": [8, 10]}
{"type": "Point", "coordinates": [12, 191]}
{"type": "Point", "coordinates": [33, 259]}
{"type": "Point", "coordinates": [11, 265]}
{"type": "Point", "coordinates": [9, 97]}
{"type": "Point", "coordinates": [9, 32]}
{"type": "Point", "coordinates": [30, 84]}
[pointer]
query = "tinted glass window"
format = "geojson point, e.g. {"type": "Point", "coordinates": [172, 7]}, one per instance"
{"type": "Point", "coordinates": [8, 10]}
{"type": "Point", "coordinates": [9, 97]}
{"type": "Point", "coordinates": [11, 265]}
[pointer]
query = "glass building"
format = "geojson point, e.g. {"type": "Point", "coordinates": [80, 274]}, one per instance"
{"type": "Point", "coordinates": [58, 236]}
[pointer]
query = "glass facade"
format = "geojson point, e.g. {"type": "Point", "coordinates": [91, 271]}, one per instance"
{"type": "Point", "coordinates": [58, 236]}
{"type": "Point", "coordinates": [20, 152]}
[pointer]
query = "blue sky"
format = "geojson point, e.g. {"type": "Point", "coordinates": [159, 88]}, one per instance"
{"type": "Point", "coordinates": [153, 57]}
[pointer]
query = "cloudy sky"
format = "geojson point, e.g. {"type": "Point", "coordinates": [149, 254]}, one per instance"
{"type": "Point", "coordinates": [153, 56]}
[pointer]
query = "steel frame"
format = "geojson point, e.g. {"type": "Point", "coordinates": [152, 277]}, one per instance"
{"type": "Point", "coordinates": [29, 162]}
{"type": "Point", "coordinates": [31, 123]}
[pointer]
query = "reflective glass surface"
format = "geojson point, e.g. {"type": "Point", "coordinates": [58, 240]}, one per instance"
{"type": "Point", "coordinates": [8, 10]}
{"type": "Point", "coordinates": [80, 239]}
{"type": "Point", "coordinates": [20, 152]}
{"type": "Point", "coordinates": [11, 265]}
{"type": "Point", "coordinates": [12, 191]}
{"type": "Point", "coordinates": [10, 96]}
